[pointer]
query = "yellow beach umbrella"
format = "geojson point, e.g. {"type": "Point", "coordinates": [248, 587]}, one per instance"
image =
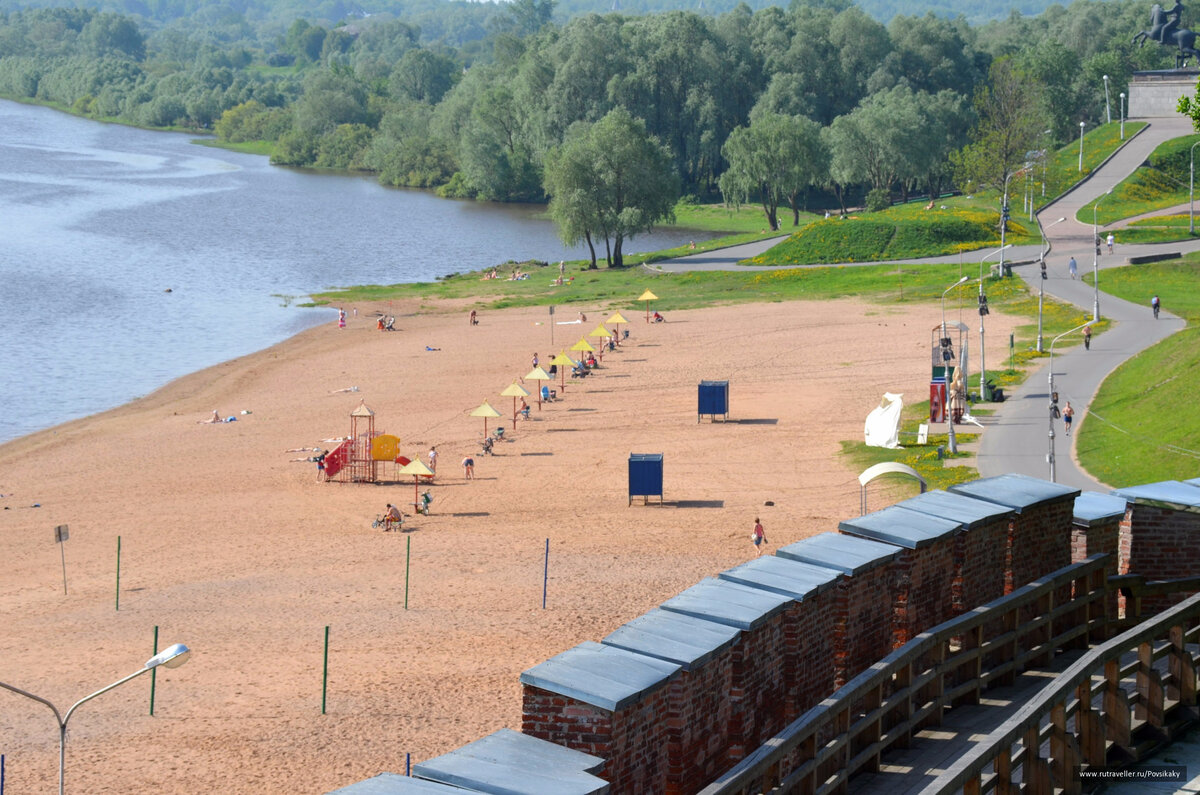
{"type": "Point", "coordinates": [600, 333]}
{"type": "Point", "coordinates": [583, 346]}
{"type": "Point", "coordinates": [539, 375]}
{"type": "Point", "coordinates": [562, 362]}
{"type": "Point", "coordinates": [515, 390]}
{"type": "Point", "coordinates": [616, 320]}
{"type": "Point", "coordinates": [418, 470]}
{"type": "Point", "coordinates": [485, 411]}
{"type": "Point", "coordinates": [647, 297]}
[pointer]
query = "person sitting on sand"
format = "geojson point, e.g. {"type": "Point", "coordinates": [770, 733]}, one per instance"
{"type": "Point", "coordinates": [213, 419]}
{"type": "Point", "coordinates": [393, 518]}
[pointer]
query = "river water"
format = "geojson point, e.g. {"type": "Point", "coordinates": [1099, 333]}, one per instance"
{"type": "Point", "coordinates": [129, 258]}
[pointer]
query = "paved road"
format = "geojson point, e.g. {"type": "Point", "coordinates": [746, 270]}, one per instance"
{"type": "Point", "coordinates": [1021, 439]}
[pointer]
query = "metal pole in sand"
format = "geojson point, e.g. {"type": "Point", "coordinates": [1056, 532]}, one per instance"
{"type": "Point", "coordinates": [407, 558]}
{"type": "Point", "coordinates": [545, 574]}
{"type": "Point", "coordinates": [119, 574]}
{"type": "Point", "coordinates": [325, 672]}
{"type": "Point", "coordinates": [153, 673]}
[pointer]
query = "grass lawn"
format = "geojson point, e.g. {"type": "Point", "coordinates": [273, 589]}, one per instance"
{"type": "Point", "coordinates": [1162, 181]}
{"type": "Point", "coordinates": [1159, 229]}
{"type": "Point", "coordinates": [1139, 429]}
{"type": "Point", "coordinates": [1062, 169]}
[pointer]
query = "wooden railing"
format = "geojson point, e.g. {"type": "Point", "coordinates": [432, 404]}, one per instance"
{"type": "Point", "coordinates": [1087, 717]}
{"type": "Point", "coordinates": [908, 690]}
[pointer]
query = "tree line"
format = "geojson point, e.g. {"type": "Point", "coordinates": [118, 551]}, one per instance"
{"type": "Point", "coordinates": [816, 103]}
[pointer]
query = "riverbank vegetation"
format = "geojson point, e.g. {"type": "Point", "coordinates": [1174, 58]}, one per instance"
{"type": "Point", "coordinates": [481, 100]}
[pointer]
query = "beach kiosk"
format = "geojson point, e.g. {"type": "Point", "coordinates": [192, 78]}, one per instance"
{"type": "Point", "coordinates": [645, 476]}
{"type": "Point", "coordinates": [713, 399]}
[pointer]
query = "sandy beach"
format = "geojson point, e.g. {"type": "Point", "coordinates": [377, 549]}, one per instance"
{"type": "Point", "coordinates": [230, 546]}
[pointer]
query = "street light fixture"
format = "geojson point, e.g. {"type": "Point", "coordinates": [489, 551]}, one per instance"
{"type": "Point", "coordinates": [1122, 115]}
{"type": "Point", "coordinates": [1095, 260]}
{"type": "Point", "coordinates": [1053, 398]}
{"type": "Point", "coordinates": [1042, 281]}
{"type": "Point", "coordinates": [1192, 191]}
{"type": "Point", "coordinates": [1081, 144]}
{"type": "Point", "coordinates": [1107, 106]}
{"type": "Point", "coordinates": [985, 391]}
{"type": "Point", "coordinates": [952, 443]}
{"type": "Point", "coordinates": [171, 657]}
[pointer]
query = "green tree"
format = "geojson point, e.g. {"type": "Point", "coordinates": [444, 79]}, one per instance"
{"type": "Point", "coordinates": [776, 158]}
{"type": "Point", "coordinates": [610, 178]}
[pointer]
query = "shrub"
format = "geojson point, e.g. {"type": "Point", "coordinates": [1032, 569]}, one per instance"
{"type": "Point", "coordinates": [878, 199]}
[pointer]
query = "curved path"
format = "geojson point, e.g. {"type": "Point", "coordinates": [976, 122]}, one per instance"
{"type": "Point", "coordinates": [1023, 444]}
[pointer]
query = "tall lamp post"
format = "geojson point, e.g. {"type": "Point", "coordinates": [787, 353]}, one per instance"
{"type": "Point", "coordinates": [171, 657]}
{"type": "Point", "coordinates": [951, 442]}
{"type": "Point", "coordinates": [1107, 106]}
{"type": "Point", "coordinates": [1096, 260]}
{"type": "Point", "coordinates": [1081, 144]}
{"type": "Point", "coordinates": [1054, 399]}
{"type": "Point", "coordinates": [1192, 191]}
{"type": "Point", "coordinates": [1122, 115]}
{"type": "Point", "coordinates": [1042, 282]}
{"type": "Point", "coordinates": [984, 391]}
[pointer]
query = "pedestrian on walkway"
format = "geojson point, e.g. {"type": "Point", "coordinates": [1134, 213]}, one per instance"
{"type": "Point", "coordinates": [1068, 415]}
{"type": "Point", "coordinates": [1110, 242]}
{"type": "Point", "coordinates": [1073, 268]}
{"type": "Point", "coordinates": [1154, 304]}
{"type": "Point", "coordinates": [1087, 338]}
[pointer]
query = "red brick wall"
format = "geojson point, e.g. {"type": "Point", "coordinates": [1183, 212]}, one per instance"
{"type": "Point", "coordinates": [1160, 544]}
{"type": "Point", "coordinates": [983, 556]}
{"type": "Point", "coordinates": [861, 614]}
{"type": "Point", "coordinates": [633, 740]}
{"type": "Point", "coordinates": [698, 725]}
{"type": "Point", "coordinates": [1041, 540]}
{"type": "Point", "coordinates": [923, 579]}
{"type": "Point", "coordinates": [1099, 539]}
{"type": "Point", "coordinates": [809, 670]}
{"type": "Point", "coordinates": [757, 694]}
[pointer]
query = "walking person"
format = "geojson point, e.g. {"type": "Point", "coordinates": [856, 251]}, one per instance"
{"type": "Point", "coordinates": [433, 459]}
{"type": "Point", "coordinates": [1068, 415]}
{"type": "Point", "coordinates": [1110, 240]}
{"type": "Point", "coordinates": [1073, 268]}
{"type": "Point", "coordinates": [1087, 338]}
{"type": "Point", "coordinates": [1154, 304]}
{"type": "Point", "coordinates": [758, 537]}
{"type": "Point", "coordinates": [341, 318]}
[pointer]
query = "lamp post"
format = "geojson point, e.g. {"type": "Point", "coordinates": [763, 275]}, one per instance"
{"type": "Point", "coordinates": [171, 657]}
{"type": "Point", "coordinates": [985, 392]}
{"type": "Point", "coordinates": [1122, 115]}
{"type": "Point", "coordinates": [1107, 107]}
{"type": "Point", "coordinates": [951, 442]}
{"type": "Point", "coordinates": [1081, 144]}
{"type": "Point", "coordinates": [1042, 282]}
{"type": "Point", "coordinates": [1053, 401]}
{"type": "Point", "coordinates": [1192, 191]}
{"type": "Point", "coordinates": [1044, 158]}
{"type": "Point", "coordinates": [1095, 260]}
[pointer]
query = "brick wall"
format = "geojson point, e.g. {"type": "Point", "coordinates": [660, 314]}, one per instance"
{"type": "Point", "coordinates": [1040, 540]}
{"type": "Point", "coordinates": [809, 670]}
{"type": "Point", "coordinates": [1160, 544]}
{"type": "Point", "coordinates": [633, 740]}
{"type": "Point", "coordinates": [698, 719]}
{"type": "Point", "coordinates": [756, 698]}
{"type": "Point", "coordinates": [923, 580]}
{"type": "Point", "coordinates": [983, 565]}
{"type": "Point", "coordinates": [861, 615]}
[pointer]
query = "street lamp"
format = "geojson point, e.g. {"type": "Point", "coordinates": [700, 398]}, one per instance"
{"type": "Point", "coordinates": [1053, 400]}
{"type": "Point", "coordinates": [985, 392]}
{"type": "Point", "coordinates": [952, 443]}
{"type": "Point", "coordinates": [171, 657]}
{"type": "Point", "coordinates": [1095, 259]}
{"type": "Point", "coordinates": [1122, 115]}
{"type": "Point", "coordinates": [1192, 191]}
{"type": "Point", "coordinates": [1107, 107]}
{"type": "Point", "coordinates": [1081, 144]}
{"type": "Point", "coordinates": [1042, 282]}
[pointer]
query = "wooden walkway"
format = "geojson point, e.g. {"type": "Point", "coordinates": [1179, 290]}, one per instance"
{"type": "Point", "coordinates": [914, 769]}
